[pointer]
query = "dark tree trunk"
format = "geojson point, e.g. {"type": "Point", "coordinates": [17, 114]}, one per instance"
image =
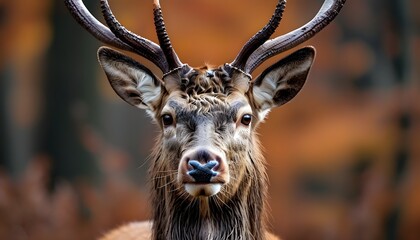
{"type": "Point", "coordinates": [70, 96]}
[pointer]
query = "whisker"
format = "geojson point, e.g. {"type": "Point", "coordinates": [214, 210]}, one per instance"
{"type": "Point", "coordinates": [167, 171]}
{"type": "Point", "coordinates": [163, 176]}
{"type": "Point", "coordinates": [218, 201]}
{"type": "Point", "coordinates": [145, 161]}
{"type": "Point", "coordinates": [185, 196]}
{"type": "Point", "coordinates": [223, 202]}
{"type": "Point", "coordinates": [167, 184]}
{"type": "Point", "coordinates": [177, 189]}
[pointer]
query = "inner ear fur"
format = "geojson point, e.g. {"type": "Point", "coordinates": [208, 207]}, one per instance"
{"type": "Point", "coordinates": [132, 81]}
{"type": "Point", "coordinates": [279, 83]}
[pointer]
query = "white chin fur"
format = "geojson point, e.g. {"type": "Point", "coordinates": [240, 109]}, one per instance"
{"type": "Point", "coordinates": [203, 190]}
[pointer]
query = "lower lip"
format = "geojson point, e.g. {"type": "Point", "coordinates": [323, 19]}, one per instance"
{"type": "Point", "coordinates": [202, 190]}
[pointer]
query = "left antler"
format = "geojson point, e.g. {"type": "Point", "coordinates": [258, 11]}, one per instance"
{"type": "Point", "coordinates": [260, 37]}
{"type": "Point", "coordinates": [270, 48]}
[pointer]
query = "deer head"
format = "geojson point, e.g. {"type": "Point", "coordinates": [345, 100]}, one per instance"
{"type": "Point", "coordinates": [208, 151]}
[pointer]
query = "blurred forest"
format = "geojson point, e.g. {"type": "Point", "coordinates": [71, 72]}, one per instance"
{"type": "Point", "coordinates": [343, 157]}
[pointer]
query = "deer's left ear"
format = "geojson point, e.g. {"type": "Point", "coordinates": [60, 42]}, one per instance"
{"type": "Point", "coordinates": [282, 81]}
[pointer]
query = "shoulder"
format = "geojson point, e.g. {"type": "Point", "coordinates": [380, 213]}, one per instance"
{"type": "Point", "coordinates": [132, 231]}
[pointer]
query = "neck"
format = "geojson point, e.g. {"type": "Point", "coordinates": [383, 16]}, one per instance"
{"type": "Point", "coordinates": [177, 216]}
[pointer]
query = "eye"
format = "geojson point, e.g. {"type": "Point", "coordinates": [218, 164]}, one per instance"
{"type": "Point", "coordinates": [167, 120]}
{"type": "Point", "coordinates": [246, 119]}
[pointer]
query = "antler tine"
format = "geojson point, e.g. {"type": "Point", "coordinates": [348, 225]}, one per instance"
{"type": "Point", "coordinates": [142, 46]}
{"type": "Point", "coordinates": [117, 35]}
{"type": "Point", "coordinates": [326, 14]}
{"type": "Point", "coordinates": [79, 12]}
{"type": "Point", "coordinates": [260, 37]}
{"type": "Point", "coordinates": [164, 41]}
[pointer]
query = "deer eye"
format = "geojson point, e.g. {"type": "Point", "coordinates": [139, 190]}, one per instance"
{"type": "Point", "coordinates": [167, 120]}
{"type": "Point", "coordinates": [246, 119]}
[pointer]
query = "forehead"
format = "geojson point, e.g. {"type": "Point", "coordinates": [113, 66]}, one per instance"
{"type": "Point", "coordinates": [205, 103]}
{"type": "Point", "coordinates": [206, 90]}
{"type": "Point", "coordinates": [208, 80]}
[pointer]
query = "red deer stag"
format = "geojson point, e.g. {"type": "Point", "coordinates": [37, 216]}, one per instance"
{"type": "Point", "coordinates": [207, 175]}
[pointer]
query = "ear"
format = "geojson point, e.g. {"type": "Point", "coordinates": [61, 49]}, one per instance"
{"type": "Point", "coordinates": [133, 82]}
{"type": "Point", "coordinates": [282, 81]}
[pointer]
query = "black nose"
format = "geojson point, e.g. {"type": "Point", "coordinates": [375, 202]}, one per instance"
{"type": "Point", "coordinates": [202, 173]}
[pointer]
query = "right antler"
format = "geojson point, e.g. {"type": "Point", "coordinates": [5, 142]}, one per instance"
{"type": "Point", "coordinates": [118, 36]}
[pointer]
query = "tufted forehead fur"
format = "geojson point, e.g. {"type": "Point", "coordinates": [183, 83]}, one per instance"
{"type": "Point", "coordinates": [206, 80]}
{"type": "Point", "coordinates": [205, 89]}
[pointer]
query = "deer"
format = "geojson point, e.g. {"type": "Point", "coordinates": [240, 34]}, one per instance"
{"type": "Point", "coordinates": [207, 173]}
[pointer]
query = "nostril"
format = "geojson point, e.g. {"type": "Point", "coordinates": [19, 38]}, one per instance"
{"type": "Point", "coordinates": [203, 155]}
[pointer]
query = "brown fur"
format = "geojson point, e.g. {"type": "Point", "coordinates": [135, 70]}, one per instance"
{"type": "Point", "coordinates": [207, 175]}
{"type": "Point", "coordinates": [207, 107]}
{"type": "Point", "coordinates": [143, 230]}
{"type": "Point", "coordinates": [237, 213]}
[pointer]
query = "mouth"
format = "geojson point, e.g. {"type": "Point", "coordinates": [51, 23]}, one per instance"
{"type": "Point", "coordinates": [202, 189]}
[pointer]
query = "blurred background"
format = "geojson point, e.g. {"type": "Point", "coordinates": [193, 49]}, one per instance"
{"type": "Point", "coordinates": [343, 156]}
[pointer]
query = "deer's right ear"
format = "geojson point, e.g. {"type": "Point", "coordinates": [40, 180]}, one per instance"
{"type": "Point", "coordinates": [133, 82]}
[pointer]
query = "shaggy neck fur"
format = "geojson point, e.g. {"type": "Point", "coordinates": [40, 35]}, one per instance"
{"type": "Point", "coordinates": [176, 215]}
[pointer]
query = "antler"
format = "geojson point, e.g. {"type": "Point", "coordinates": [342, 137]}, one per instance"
{"type": "Point", "coordinates": [260, 37]}
{"type": "Point", "coordinates": [163, 37]}
{"type": "Point", "coordinates": [270, 48]}
{"type": "Point", "coordinates": [118, 36]}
